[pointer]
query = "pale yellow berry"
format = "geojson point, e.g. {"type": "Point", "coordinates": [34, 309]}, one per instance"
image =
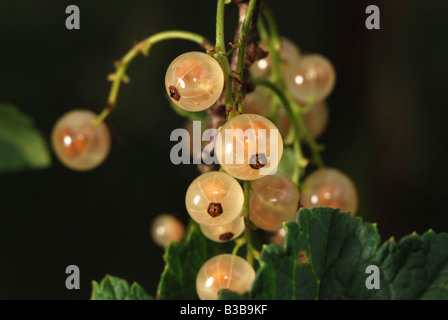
{"type": "Point", "coordinates": [289, 54]}
{"type": "Point", "coordinates": [277, 237]}
{"type": "Point", "coordinates": [77, 143]}
{"type": "Point", "coordinates": [273, 201]}
{"type": "Point", "coordinates": [249, 147]}
{"type": "Point", "coordinates": [257, 101]}
{"type": "Point", "coordinates": [316, 120]}
{"type": "Point", "coordinates": [194, 81]}
{"type": "Point", "coordinates": [312, 78]}
{"type": "Point", "coordinates": [227, 232]}
{"type": "Point", "coordinates": [166, 229]}
{"type": "Point", "coordinates": [221, 272]}
{"type": "Point", "coordinates": [330, 188]}
{"type": "Point", "coordinates": [214, 198]}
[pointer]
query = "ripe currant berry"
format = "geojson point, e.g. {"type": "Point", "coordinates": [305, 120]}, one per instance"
{"type": "Point", "coordinates": [277, 237]}
{"type": "Point", "coordinates": [214, 199]}
{"type": "Point", "coordinates": [221, 272]}
{"type": "Point", "coordinates": [313, 77]}
{"type": "Point", "coordinates": [194, 81]}
{"type": "Point", "coordinates": [273, 200]}
{"type": "Point", "coordinates": [77, 143]}
{"type": "Point", "coordinates": [166, 229]}
{"type": "Point", "coordinates": [257, 101]}
{"type": "Point", "coordinates": [282, 122]}
{"type": "Point", "coordinates": [249, 147]}
{"type": "Point", "coordinates": [289, 54]}
{"type": "Point", "coordinates": [316, 120]}
{"type": "Point", "coordinates": [226, 232]}
{"type": "Point", "coordinates": [330, 188]}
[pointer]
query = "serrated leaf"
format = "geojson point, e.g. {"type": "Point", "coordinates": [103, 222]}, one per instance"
{"type": "Point", "coordinates": [21, 145]}
{"type": "Point", "coordinates": [113, 288]}
{"type": "Point", "coordinates": [326, 254]}
{"type": "Point", "coordinates": [183, 261]}
{"type": "Point", "coordinates": [416, 267]}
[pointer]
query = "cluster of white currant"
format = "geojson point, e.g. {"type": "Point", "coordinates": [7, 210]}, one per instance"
{"type": "Point", "coordinates": [215, 200]}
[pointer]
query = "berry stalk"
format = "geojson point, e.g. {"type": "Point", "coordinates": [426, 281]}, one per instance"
{"type": "Point", "coordinates": [142, 47]}
{"type": "Point", "coordinates": [242, 50]}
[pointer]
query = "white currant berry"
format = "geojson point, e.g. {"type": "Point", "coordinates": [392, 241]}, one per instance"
{"type": "Point", "coordinates": [214, 198]}
{"type": "Point", "coordinates": [277, 237]}
{"type": "Point", "coordinates": [249, 147]}
{"type": "Point", "coordinates": [273, 200]}
{"type": "Point", "coordinates": [224, 271]}
{"type": "Point", "coordinates": [166, 229]}
{"type": "Point", "coordinates": [227, 232]}
{"type": "Point", "coordinates": [194, 81]}
{"type": "Point", "coordinates": [316, 120]}
{"type": "Point", "coordinates": [257, 101]}
{"type": "Point", "coordinates": [312, 77]}
{"type": "Point", "coordinates": [330, 188]}
{"type": "Point", "coordinates": [77, 143]}
{"type": "Point", "coordinates": [289, 54]}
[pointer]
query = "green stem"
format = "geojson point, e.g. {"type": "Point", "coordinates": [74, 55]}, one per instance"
{"type": "Point", "coordinates": [317, 159]}
{"type": "Point", "coordinates": [247, 239]}
{"type": "Point", "coordinates": [143, 47]}
{"type": "Point", "coordinates": [225, 65]}
{"type": "Point", "coordinates": [242, 51]}
{"type": "Point", "coordinates": [302, 162]}
{"type": "Point", "coordinates": [220, 42]}
{"type": "Point", "coordinates": [273, 46]}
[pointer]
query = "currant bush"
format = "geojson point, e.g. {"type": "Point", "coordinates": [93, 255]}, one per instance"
{"type": "Point", "coordinates": [249, 145]}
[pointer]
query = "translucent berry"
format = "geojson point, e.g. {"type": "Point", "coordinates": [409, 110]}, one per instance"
{"type": "Point", "coordinates": [221, 272]}
{"type": "Point", "coordinates": [249, 147]}
{"type": "Point", "coordinates": [316, 120]}
{"type": "Point", "coordinates": [227, 232]}
{"type": "Point", "coordinates": [330, 188]}
{"type": "Point", "coordinates": [277, 237]}
{"type": "Point", "coordinates": [313, 77]}
{"type": "Point", "coordinates": [165, 229]}
{"type": "Point", "coordinates": [257, 101]}
{"type": "Point", "coordinates": [282, 122]}
{"type": "Point", "coordinates": [77, 143]}
{"type": "Point", "coordinates": [214, 199]}
{"type": "Point", "coordinates": [194, 81]}
{"type": "Point", "coordinates": [289, 54]}
{"type": "Point", "coordinates": [273, 200]}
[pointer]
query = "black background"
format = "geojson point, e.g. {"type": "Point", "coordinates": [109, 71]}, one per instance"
{"type": "Point", "coordinates": [387, 129]}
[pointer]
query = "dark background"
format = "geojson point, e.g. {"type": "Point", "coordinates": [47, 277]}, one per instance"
{"type": "Point", "coordinates": [387, 129]}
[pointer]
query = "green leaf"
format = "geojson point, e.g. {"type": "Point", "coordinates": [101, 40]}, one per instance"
{"type": "Point", "coordinates": [183, 261]}
{"type": "Point", "coordinates": [326, 254]}
{"type": "Point", "coordinates": [113, 288]}
{"type": "Point", "coordinates": [21, 145]}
